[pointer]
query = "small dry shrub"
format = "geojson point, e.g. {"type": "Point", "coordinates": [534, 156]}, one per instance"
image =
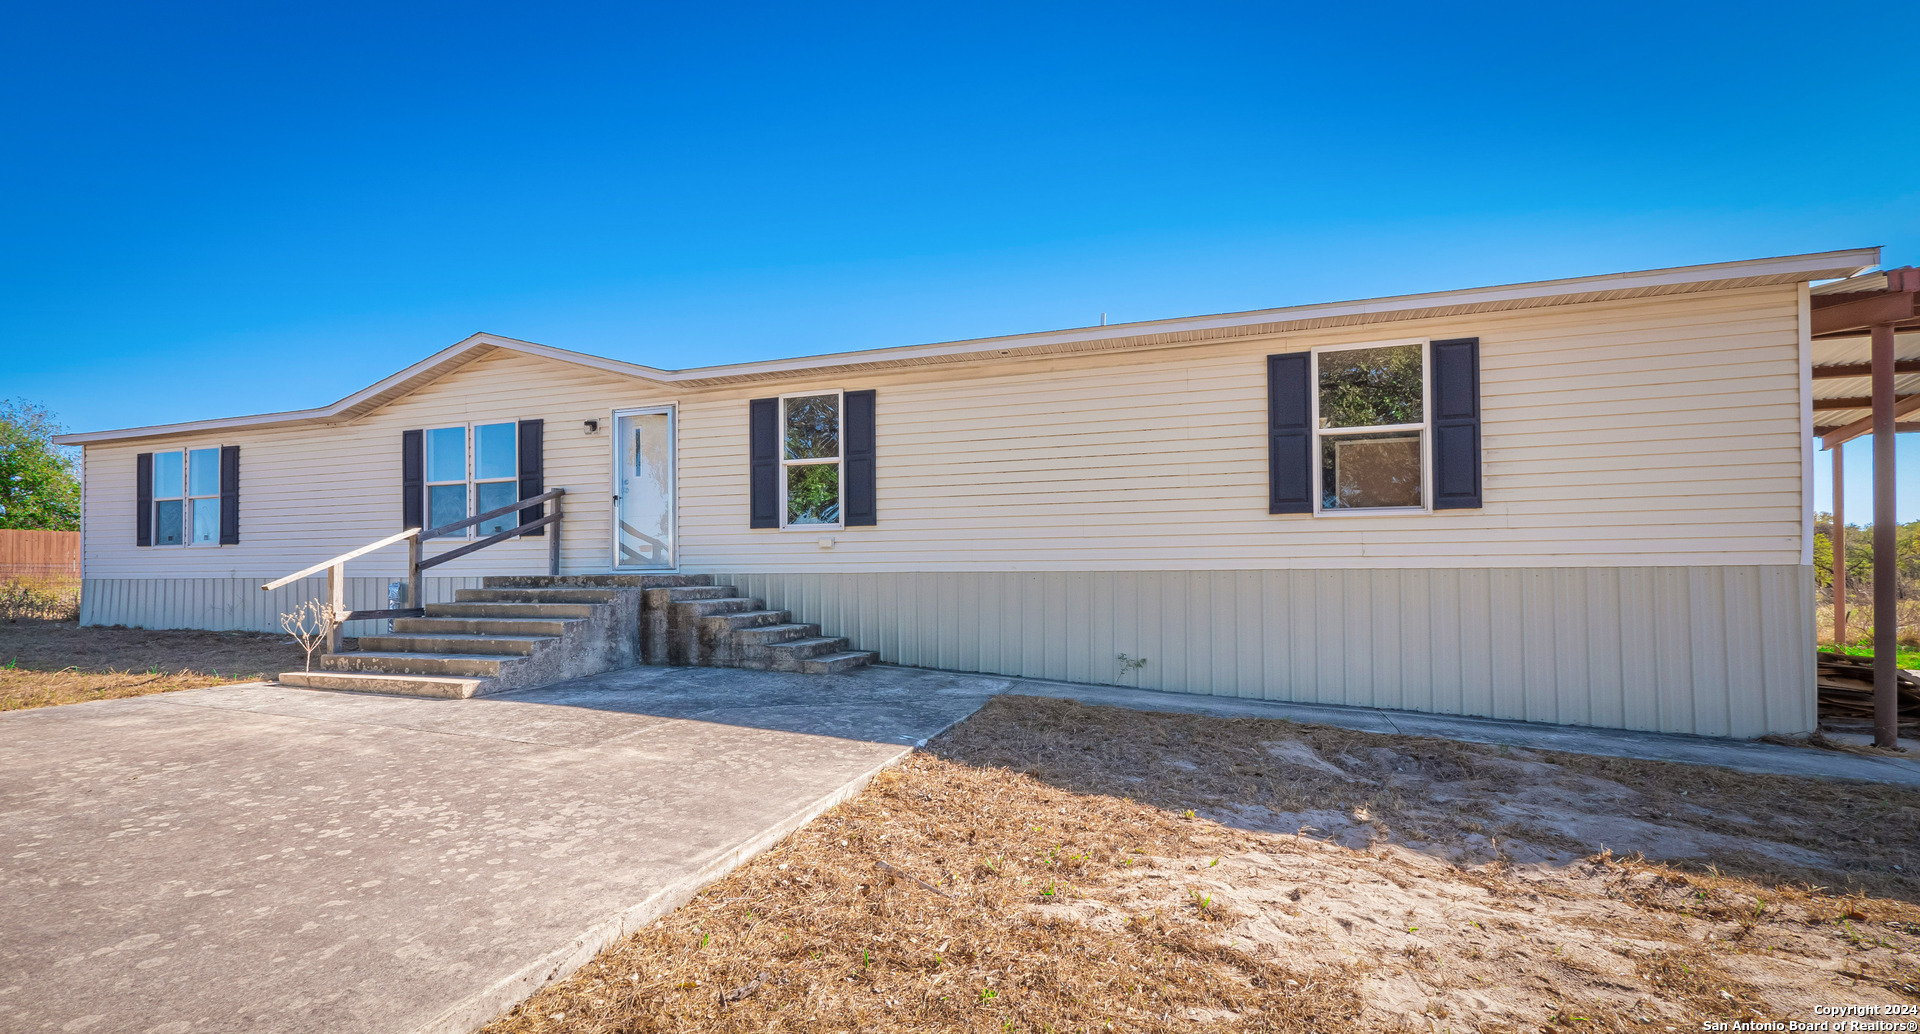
{"type": "Point", "coordinates": [45, 599]}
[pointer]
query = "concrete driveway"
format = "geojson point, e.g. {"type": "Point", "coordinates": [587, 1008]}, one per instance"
{"type": "Point", "coordinates": [266, 859]}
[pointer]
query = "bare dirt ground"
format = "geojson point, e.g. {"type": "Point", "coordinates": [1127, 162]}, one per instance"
{"type": "Point", "coordinates": [57, 662]}
{"type": "Point", "coordinates": [1047, 866]}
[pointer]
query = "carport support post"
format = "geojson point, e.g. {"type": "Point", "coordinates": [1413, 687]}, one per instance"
{"type": "Point", "coordinates": [1886, 613]}
{"type": "Point", "coordinates": [1839, 542]}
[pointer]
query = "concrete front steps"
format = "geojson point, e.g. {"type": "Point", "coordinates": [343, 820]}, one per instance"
{"type": "Point", "coordinates": [714, 626]}
{"type": "Point", "coordinates": [510, 634]}
{"type": "Point", "coordinates": [517, 632]}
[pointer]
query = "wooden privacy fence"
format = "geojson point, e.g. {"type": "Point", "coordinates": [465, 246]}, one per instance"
{"type": "Point", "coordinates": [39, 554]}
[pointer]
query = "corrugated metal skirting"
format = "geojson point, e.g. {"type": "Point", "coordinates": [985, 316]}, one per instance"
{"type": "Point", "coordinates": [1712, 651]}
{"type": "Point", "coordinates": [222, 604]}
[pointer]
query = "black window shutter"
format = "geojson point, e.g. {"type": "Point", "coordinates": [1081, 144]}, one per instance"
{"type": "Point", "coordinates": [413, 479]}
{"type": "Point", "coordinates": [229, 495]}
{"type": "Point", "coordinates": [1456, 424]}
{"type": "Point", "coordinates": [1290, 433]}
{"type": "Point", "coordinates": [143, 499]}
{"type": "Point", "coordinates": [533, 470]}
{"type": "Point", "coordinates": [763, 448]}
{"type": "Point", "coordinates": [862, 505]}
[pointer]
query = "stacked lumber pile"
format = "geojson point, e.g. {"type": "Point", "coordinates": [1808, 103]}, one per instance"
{"type": "Point", "coordinates": [1846, 691]}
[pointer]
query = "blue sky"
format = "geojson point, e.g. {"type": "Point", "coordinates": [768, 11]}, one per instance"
{"type": "Point", "coordinates": [216, 209]}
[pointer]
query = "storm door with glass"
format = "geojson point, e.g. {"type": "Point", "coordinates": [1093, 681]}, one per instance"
{"type": "Point", "coordinates": [643, 517]}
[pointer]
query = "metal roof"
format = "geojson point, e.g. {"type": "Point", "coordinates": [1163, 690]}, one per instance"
{"type": "Point", "coordinates": [1840, 376]}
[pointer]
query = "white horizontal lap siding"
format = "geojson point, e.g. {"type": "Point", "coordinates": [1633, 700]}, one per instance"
{"type": "Point", "coordinates": [311, 492]}
{"type": "Point", "coordinates": [1643, 433]}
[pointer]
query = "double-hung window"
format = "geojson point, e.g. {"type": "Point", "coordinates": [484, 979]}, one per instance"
{"type": "Point", "coordinates": [470, 470]}
{"type": "Point", "coordinates": [1370, 426]}
{"type": "Point", "coordinates": [186, 497]}
{"type": "Point", "coordinates": [810, 491]}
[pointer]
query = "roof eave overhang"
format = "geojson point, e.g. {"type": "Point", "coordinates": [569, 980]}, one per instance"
{"type": "Point", "coordinates": [378, 394]}
{"type": "Point", "coordinates": [1157, 333]}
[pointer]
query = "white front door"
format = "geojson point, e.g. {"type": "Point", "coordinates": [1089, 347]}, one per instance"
{"type": "Point", "coordinates": [643, 489]}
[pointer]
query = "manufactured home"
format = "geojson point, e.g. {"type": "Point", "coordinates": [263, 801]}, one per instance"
{"type": "Point", "coordinates": [1579, 501]}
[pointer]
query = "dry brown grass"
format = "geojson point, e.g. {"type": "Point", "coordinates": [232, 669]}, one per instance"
{"type": "Point", "coordinates": [841, 920]}
{"type": "Point", "coordinates": [1051, 867]}
{"type": "Point", "coordinates": [1860, 620]}
{"type": "Point", "coordinates": [48, 599]}
{"type": "Point", "coordinates": [57, 662]}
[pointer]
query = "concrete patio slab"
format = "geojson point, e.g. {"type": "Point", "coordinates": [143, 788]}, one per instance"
{"type": "Point", "coordinates": [267, 858]}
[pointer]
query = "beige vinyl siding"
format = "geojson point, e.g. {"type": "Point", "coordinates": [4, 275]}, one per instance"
{"type": "Point", "coordinates": [309, 493]}
{"type": "Point", "coordinates": [1709, 651]}
{"type": "Point", "coordinates": [1637, 433]}
{"type": "Point", "coordinates": [1654, 432]}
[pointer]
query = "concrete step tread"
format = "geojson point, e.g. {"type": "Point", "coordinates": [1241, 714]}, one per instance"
{"type": "Point", "coordinates": [463, 636]}
{"type": "Point", "coordinates": [448, 624]}
{"type": "Point", "coordinates": [606, 581]}
{"type": "Point", "coordinates": [746, 620]}
{"type": "Point", "coordinates": [722, 605]}
{"type": "Point", "coordinates": [811, 642]}
{"type": "Point", "coordinates": [562, 594]}
{"type": "Point", "coordinates": [433, 655]}
{"type": "Point", "coordinates": [867, 656]}
{"type": "Point", "coordinates": [495, 611]}
{"type": "Point", "coordinates": [364, 675]}
{"type": "Point", "coordinates": [314, 679]}
{"type": "Point", "coordinates": [837, 663]}
{"type": "Point", "coordinates": [688, 593]}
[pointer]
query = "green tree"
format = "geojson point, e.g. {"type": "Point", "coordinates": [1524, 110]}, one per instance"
{"type": "Point", "coordinates": [1906, 550]}
{"type": "Point", "coordinates": [39, 481]}
{"type": "Point", "coordinates": [1859, 556]}
{"type": "Point", "coordinates": [1822, 559]}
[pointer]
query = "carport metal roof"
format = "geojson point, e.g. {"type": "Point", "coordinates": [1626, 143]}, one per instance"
{"type": "Point", "coordinates": [1844, 312]}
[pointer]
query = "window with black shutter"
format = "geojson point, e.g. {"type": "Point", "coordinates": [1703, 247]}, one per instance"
{"type": "Point", "coordinates": [1377, 427]}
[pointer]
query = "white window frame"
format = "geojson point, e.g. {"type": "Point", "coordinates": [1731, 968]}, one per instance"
{"type": "Point", "coordinates": [839, 457]}
{"type": "Point", "coordinates": [186, 497]}
{"type": "Point", "coordinates": [473, 481]}
{"type": "Point", "coordinates": [1425, 427]}
{"type": "Point", "coordinates": [186, 486]}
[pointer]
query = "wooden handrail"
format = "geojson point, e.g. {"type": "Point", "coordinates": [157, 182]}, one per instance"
{"type": "Point", "coordinates": [341, 559]}
{"type": "Point", "coordinates": [454, 554]}
{"type": "Point", "coordinates": [448, 529]}
{"type": "Point", "coordinates": [336, 568]}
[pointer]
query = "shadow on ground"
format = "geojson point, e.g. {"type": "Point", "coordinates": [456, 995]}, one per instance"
{"type": "Point", "coordinates": [878, 705]}
{"type": "Point", "coordinates": [1463, 803]}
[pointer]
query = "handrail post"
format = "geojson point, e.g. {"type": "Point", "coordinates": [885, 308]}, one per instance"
{"type": "Point", "coordinates": [553, 539]}
{"type": "Point", "coordinates": [336, 605]}
{"type": "Point", "coordinates": [415, 597]}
